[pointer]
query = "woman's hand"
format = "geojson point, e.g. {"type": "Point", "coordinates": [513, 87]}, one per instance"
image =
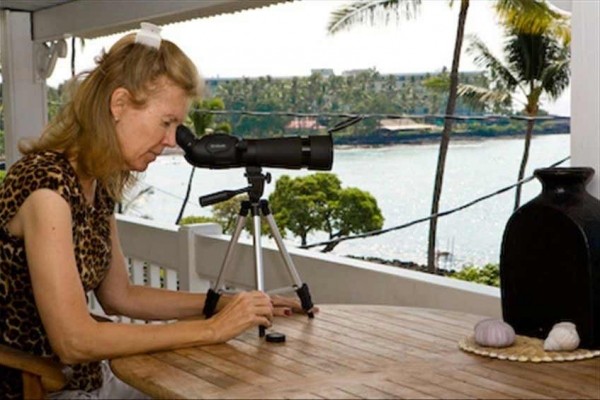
{"type": "Point", "coordinates": [243, 311]}
{"type": "Point", "coordinates": [286, 306]}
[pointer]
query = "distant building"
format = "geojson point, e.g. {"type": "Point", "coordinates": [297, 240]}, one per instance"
{"type": "Point", "coordinates": [354, 72]}
{"type": "Point", "coordinates": [304, 123]}
{"type": "Point", "coordinates": [404, 124]}
{"type": "Point", "coordinates": [325, 72]}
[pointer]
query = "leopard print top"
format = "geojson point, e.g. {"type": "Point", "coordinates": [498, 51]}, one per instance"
{"type": "Point", "coordinates": [20, 324]}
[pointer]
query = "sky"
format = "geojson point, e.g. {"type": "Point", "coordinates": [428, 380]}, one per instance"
{"type": "Point", "coordinates": [291, 39]}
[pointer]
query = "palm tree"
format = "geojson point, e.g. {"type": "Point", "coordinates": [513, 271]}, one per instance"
{"type": "Point", "coordinates": [73, 52]}
{"type": "Point", "coordinates": [536, 65]}
{"type": "Point", "coordinates": [374, 11]}
{"type": "Point", "coordinates": [535, 17]}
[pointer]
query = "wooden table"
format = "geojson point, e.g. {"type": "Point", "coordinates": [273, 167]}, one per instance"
{"type": "Point", "coordinates": [351, 351]}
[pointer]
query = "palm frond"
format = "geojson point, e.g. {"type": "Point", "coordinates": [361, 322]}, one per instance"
{"type": "Point", "coordinates": [534, 17]}
{"type": "Point", "coordinates": [371, 12]}
{"type": "Point", "coordinates": [483, 57]}
{"type": "Point", "coordinates": [555, 78]}
{"type": "Point", "coordinates": [480, 97]}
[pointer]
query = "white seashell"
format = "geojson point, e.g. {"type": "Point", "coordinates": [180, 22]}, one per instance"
{"type": "Point", "coordinates": [562, 337]}
{"type": "Point", "coordinates": [494, 333]}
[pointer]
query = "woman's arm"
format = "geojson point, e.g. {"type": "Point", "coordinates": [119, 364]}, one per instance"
{"type": "Point", "coordinates": [118, 297]}
{"type": "Point", "coordinates": [45, 220]}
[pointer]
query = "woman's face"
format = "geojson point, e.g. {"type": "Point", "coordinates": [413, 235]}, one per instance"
{"type": "Point", "coordinates": [143, 133]}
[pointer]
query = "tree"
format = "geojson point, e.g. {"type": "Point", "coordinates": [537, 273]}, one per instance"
{"type": "Point", "coordinates": [317, 202]}
{"type": "Point", "coordinates": [227, 212]}
{"type": "Point", "coordinates": [374, 11]}
{"type": "Point", "coordinates": [294, 204]}
{"type": "Point", "coordinates": [535, 65]}
{"type": "Point", "coordinates": [201, 122]}
{"type": "Point", "coordinates": [356, 212]}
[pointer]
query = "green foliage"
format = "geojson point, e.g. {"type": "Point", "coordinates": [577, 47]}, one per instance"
{"type": "Point", "coordinates": [223, 127]}
{"type": "Point", "coordinates": [438, 83]}
{"type": "Point", "coordinates": [196, 219]}
{"type": "Point", "coordinates": [373, 13]}
{"type": "Point", "coordinates": [535, 65]}
{"type": "Point", "coordinates": [55, 98]}
{"type": "Point", "coordinates": [489, 274]}
{"type": "Point", "coordinates": [534, 17]}
{"type": "Point", "coordinates": [317, 202]}
{"type": "Point", "coordinates": [2, 175]}
{"type": "Point", "coordinates": [367, 92]}
{"type": "Point", "coordinates": [356, 211]}
{"type": "Point", "coordinates": [226, 212]}
{"type": "Point", "coordinates": [202, 121]}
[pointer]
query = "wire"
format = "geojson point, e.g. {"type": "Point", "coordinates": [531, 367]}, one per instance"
{"type": "Point", "coordinates": [440, 214]}
{"type": "Point", "coordinates": [488, 117]}
{"type": "Point", "coordinates": [485, 117]}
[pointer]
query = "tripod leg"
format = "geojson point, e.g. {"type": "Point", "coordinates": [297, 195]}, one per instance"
{"type": "Point", "coordinates": [301, 288]}
{"type": "Point", "coordinates": [210, 303]}
{"type": "Point", "coordinates": [258, 256]}
{"type": "Point", "coordinates": [213, 294]}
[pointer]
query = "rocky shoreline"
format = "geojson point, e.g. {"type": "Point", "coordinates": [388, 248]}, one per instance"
{"type": "Point", "coordinates": [402, 264]}
{"type": "Point", "coordinates": [428, 138]}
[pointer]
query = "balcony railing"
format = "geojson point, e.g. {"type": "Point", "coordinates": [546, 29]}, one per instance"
{"type": "Point", "coordinates": [190, 257]}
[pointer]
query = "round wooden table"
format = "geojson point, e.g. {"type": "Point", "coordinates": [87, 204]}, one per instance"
{"type": "Point", "coordinates": [355, 351]}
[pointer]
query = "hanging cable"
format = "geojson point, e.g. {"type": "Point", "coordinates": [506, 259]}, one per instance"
{"type": "Point", "coordinates": [417, 221]}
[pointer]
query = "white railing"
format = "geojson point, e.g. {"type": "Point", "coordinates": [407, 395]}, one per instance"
{"type": "Point", "coordinates": [191, 257]}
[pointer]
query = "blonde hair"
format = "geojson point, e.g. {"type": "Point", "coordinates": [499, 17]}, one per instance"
{"type": "Point", "coordinates": [84, 129]}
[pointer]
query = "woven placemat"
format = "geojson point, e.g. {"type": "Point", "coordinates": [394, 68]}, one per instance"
{"type": "Point", "coordinates": [525, 349]}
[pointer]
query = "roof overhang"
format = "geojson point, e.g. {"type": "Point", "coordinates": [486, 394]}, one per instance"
{"type": "Point", "coordinates": [56, 19]}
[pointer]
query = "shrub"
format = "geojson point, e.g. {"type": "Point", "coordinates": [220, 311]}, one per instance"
{"type": "Point", "coordinates": [196, 219]}
{"type": "Point", "coordinates": [489, 274]}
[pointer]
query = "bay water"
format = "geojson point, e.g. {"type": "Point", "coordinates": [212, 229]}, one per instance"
{"type": "Point", "coordinates": [401, 178]}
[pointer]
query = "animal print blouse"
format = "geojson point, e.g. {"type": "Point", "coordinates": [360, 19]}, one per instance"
{"type": "Point", "coordinates": [20, 323]}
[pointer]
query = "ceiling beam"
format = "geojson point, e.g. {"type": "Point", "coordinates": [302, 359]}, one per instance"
{"type": "Point", "coordinates": [95, 18]}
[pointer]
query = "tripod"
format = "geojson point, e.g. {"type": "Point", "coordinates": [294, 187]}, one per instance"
{"type": "Point", "coordinates": [259, 208]}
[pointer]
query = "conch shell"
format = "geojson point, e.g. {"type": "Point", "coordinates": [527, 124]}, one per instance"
{"type": "Point", "coordinates": [494, 333]}
{"type": "Point", "coordinates": [562, 337]}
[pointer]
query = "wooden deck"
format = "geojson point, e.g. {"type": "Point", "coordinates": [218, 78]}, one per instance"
{"type": "Point", "coordinates": [351, 351]}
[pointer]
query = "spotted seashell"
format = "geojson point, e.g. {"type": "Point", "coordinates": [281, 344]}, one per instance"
{"type": "Point", "coordinates": [562, 337]}
{"type": "Point", "coordinates": [494, 333]}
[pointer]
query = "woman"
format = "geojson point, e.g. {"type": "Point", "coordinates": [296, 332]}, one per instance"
{"type": "Point", "coordinates": [58, 233]}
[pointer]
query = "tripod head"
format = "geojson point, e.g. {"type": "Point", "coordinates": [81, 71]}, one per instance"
{"type": "Point", "coordinates": [256, 186]}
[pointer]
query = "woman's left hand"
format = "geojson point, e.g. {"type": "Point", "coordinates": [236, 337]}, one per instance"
{"type": "Point", "coordinates": [286, 306]}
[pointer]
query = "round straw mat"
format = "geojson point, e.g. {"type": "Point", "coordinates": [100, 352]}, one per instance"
{"type": "Point", "coordinates": [525, 349]}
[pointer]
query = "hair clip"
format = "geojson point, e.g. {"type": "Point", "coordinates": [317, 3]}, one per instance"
{"type": "Point", "coordinates": [149, 35]}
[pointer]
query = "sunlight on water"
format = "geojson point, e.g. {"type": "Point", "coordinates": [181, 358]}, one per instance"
{"type": "Point", "coordinates": [401, 179]}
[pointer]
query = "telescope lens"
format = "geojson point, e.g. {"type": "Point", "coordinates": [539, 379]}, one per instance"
{"type": "Point", "coordinates": [319, 153]}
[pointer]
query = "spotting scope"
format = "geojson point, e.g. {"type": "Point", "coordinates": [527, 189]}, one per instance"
{"type": "Point", "coordinates": [221, 151]}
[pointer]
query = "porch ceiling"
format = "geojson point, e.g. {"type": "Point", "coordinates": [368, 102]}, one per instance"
{"type": "Point", "coordinates": [55, 19]}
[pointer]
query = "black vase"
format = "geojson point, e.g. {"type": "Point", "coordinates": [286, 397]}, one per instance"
{"type": "Point", "coordinates": [550, 258]}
